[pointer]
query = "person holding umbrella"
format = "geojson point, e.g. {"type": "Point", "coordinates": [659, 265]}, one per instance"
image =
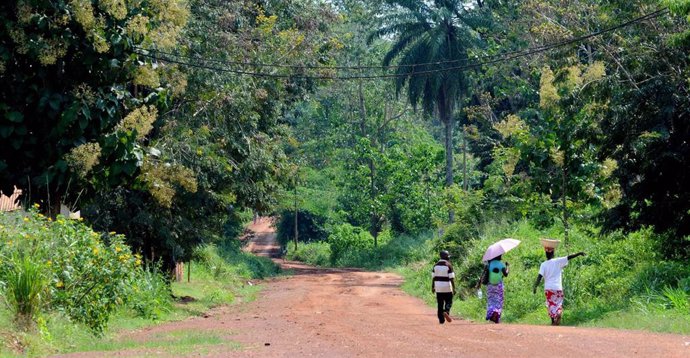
{"type": "Point", "coordinates": [492, 277]}
{"type": "Point", "coordinates": [551, 270]}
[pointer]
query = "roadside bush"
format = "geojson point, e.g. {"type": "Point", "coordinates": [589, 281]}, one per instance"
{"type": "Point", "coordinates": [346, 239]}
{"type": "Point", "coordinates": [456, 238]}
{"type": "Point", "coordinates": [391, 251]}
{"type": "Point", "coordinates": [87, 275]}
{"type": "Point", "coordinates": [313, 253]}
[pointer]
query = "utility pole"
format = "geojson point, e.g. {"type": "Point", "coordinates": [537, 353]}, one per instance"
{"type": "Point", "coordinates": [565, 198]}
{"type": "Point", "coordinates": [296, 231]}
{"type": "Point", "coordinates": [464, 158]}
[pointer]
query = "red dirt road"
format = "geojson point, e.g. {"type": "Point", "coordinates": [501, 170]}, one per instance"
{"type": "Point", "coordinates": [348, 313]}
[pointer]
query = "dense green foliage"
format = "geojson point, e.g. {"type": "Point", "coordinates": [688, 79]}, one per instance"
{"type": "Point", "coordinates": [218, 277]}
{"type": "Point", "coordinates": [585, 142]}
{"type": "Point", "coordinates": [170, 121]}
{"type": "Point", "coordinates": [100, 122]}
{"type": "Point", "coordinates": [76, 102]}
{"type": "Point", "coordinates": [433, 36]}
{"type": "Point", "coordinates": [65, 266]}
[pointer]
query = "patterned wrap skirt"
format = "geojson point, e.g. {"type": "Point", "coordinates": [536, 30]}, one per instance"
{"type": "Point", "coordinates": [554, 302]}
{"type": "Point", "coordinates": [494, 300]}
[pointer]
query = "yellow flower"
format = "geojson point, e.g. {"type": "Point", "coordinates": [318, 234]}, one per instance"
{"type": "Point", "coordinates": [50, 263]}
{"type": "Point", "coordinates": [117, 249]}
{"type": "Point", "coordinates": [95, 251]}
{"type": "Point", "coordinates": [112, 233]}
{"type": "Point", "coordinates": [50, 219]}
{"type": "Point", "coordinates": [36, 205]}
{"type": "Point", "coordinates": [26, 219]}
{"type": "Point", "coordinates": [138, 262]}
{"type": "Point", "coordinates": [80, 218]}
{"type": "Point", "coordinates": [59, 284]}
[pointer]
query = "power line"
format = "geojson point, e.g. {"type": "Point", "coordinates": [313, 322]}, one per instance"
{"type": "Point", "coordinates": [495, 59]}
{"type": "Point", "coordinates": [563, 42]}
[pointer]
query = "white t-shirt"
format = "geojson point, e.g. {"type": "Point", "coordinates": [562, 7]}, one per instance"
{"type": "Point", "coordinates": [551, 271]}
{"type": "Point", "coordinates": [442, 269]}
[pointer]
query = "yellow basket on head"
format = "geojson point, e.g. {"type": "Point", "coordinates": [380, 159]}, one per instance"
{"type": "Point", "coordinates": [550, 243]}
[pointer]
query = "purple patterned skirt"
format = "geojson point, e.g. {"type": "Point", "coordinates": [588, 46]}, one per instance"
{"type": "Point", "coordinates": [494, 298]}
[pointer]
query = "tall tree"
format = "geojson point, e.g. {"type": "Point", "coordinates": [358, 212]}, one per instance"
{"type": "Point", "coordinates": [432, 36]}
{"type": "Point", "coordinates": [77, 104]}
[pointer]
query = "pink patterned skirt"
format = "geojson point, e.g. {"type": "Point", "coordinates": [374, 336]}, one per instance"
{"type": "Point", "coordinates": [554, 302]}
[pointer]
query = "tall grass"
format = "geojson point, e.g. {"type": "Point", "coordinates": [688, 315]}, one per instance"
{"type": "Point", "coordinates": [151, 294]}
{"type": "Point", "coordinates": [678, 298]}
{"type": "Point", "coordinates": [25, 289]}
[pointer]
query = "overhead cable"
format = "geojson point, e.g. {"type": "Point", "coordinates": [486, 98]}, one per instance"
{"type": "Point", "coordinates": [489, 59]}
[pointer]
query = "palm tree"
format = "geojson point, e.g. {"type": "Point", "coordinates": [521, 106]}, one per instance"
{"type": "Point", "coordinates": [431, 36]}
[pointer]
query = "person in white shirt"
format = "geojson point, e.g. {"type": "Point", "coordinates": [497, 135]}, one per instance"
{"type": "Point", "coordinates": [443, 285]}
{"type": "Point", "coordinates": [551, 270]}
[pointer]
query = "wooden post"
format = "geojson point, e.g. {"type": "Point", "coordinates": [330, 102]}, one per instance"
{"type": "Point", "coordinates": [179, 271]}
{"type": "Point", "coordinates": [296, 231]}
{"type": "Point", "coordinates": [189, 271]}
{"type": "Point", "coordinates": [464, 158]}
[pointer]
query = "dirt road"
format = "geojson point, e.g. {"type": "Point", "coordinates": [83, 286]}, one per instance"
{"type": "Point", "coordinates": [348, 313]}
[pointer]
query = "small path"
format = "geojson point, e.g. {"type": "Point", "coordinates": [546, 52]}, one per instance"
{"type": "Point", "coordinates": [350, 313]}
{"type": "Point", "coordinates": [262, 240]}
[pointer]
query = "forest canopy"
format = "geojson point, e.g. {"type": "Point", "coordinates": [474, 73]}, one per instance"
{"type": "Point", "coordinates": [168, 120]}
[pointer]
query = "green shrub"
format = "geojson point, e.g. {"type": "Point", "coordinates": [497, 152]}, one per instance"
{"type": "Point", "coordinates": [456, 238]}
{"type": "Point", "coordinates": [88, 274]}
{"type": "Point", "coordinates": [313, 253]}
{"type": "Point", "coordinates": [345, 240]}
{"type": "Point", "coordinates": [392, 251]}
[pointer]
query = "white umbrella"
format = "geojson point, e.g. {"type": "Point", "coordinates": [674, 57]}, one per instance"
{"type": "Point", "coordinates": [500, 248]}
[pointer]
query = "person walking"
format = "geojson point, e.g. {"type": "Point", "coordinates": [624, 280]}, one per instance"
{"type": "Point", "coordinates": [551, 271]}
{"type": "Point", "coordinates": [443, 285]}
{"type": "Point", "coordinates": [492, 277]}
